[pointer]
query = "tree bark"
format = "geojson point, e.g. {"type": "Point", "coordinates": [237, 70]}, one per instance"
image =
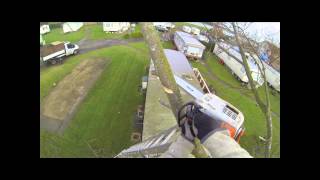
{"type": "Point", "coordinates": [166, 76]}
{"type": "Point", "coordinates": [162, 67]}
{"type": "Point", "coordinates": [265, 108]}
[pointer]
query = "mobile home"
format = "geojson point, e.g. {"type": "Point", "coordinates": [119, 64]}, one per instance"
{"type": "Point", "coordinates": [237, 67]}
{"type": "Point", "coordinates": [272, 75]}
{"type": "Point", "coordinates": [71, 26]}
{"type": "Point", "coordinates": [186, 29]}
{"type": "Point", "coordinates": [115, 26]}
{"type": "Point", "coordinates": [44, 29]}
{"type": "Point", "coordinates": [188, 45]}
{"type": "Point", "coordinates": [195, 31]}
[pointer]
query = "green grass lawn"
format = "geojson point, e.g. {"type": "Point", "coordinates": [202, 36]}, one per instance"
{"type": "Point", "coordinates": [254, 119]}
{"type": "Point", "coordinates": [104, 119]}
{"type": "Point", "coordinates": [58, 35]}
{"type": "Point", "coordinates": [168, 45]}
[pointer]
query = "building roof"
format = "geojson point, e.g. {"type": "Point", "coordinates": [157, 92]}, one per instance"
{"type": "Point", "coordinates": [235, 51]}
{"type": "Point", "coordinates": [189, 39]}
{"type": "Point", "coordinates": [158, 115]}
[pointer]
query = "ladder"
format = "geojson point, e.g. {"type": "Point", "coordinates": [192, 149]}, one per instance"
{"type": "Point", "coordinates": [152, 147]}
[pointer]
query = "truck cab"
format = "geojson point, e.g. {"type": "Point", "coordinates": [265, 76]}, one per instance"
{"type": "Point", "coordinates": [71, 48]}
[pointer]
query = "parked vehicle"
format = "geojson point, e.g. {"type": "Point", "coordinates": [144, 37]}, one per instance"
{"type": "Point", "coordinates": [188, 45]}
{"type": "Point", "coordinates": [186, 29]}
{"type": "Point", "coordinates": [161, 28]}
{"type": "Point", "coordinates": [195, 31]}
{"type": "Point", "coordinates": [55, 51]}
{"type": "Point", "coordinates": [44, 29]}
{"type": "Point", "coordinates": [167, 25]}
{"type": "Point", "coordinates": [236, 67]}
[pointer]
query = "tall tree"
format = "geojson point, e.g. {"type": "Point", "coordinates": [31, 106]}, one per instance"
{"type": "Point", "coordinates": [264, 107]}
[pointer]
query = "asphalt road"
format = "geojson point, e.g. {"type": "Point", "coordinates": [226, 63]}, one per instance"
{"type": "Point", "coordinates": [89, 45]}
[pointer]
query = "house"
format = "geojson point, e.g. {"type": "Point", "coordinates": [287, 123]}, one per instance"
{"type": "Point", "coordinates": [71, 26]}
{"type": "Point", "coordinates": [158, 115]}
{"type": "Point", "coordinates": [44, 29]}
{"type": "Point", "coordinates": [115, 26]}
{"type": "Point", "coordinates": [188, 45]}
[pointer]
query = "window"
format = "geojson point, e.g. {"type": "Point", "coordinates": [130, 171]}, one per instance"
{"type": "Point", "coordinates": [242, 70]}
{"type": "Point", "coordinates": [70, 46]}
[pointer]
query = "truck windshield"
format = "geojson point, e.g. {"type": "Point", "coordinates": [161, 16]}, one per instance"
{"type": "Point", "coordinates": [70, 46]}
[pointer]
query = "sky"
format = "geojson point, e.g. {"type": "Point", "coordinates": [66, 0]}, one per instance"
{"type": "Point", "coordinates": [260, 31]}
{"type": "Point", "coordinates": [265, 31]}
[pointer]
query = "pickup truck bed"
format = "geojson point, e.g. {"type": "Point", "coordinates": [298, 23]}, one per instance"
{"type": "Point", "coordinates": [51, 49]}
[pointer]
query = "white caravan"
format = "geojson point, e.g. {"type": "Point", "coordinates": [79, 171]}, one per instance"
{"type": "Point", "coordinates": [44, 29]}
{"type": "Point", "coordinates": [186, 29]}
{"type": "Point", "coordinates": [237, 67]}
{"type": "Point", "coordinates": [272, 75]}
{"type": "Point", "coordinates": [195, 31]}
{"type": "Point", "coordinates": [115, 26]}
{"type": "Point", "coordinates": [71, 26]}
{"type": "Point", "coordinates": [188, 45]}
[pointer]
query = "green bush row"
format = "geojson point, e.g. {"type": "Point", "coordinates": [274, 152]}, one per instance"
{"type": "Point", "coordinates": [133, 35]}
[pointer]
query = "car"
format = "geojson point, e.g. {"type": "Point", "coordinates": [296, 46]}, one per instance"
{"type": "Point", "coordinates": [161, 28]}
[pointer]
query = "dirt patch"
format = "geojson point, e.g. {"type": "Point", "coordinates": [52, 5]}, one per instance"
{"type": "Point", "coordinates": [59, 106]}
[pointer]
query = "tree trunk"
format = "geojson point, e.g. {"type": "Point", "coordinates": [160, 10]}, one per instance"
{"type": "Point", "coordinates": [162, 67]}
{"type": "Point", "coordinates": [166, 76]}
{"type": "Point", "coordinates": [265, 108]}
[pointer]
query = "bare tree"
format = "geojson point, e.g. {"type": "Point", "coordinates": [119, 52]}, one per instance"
{"type": "Point", "coordinates": [166, 76]}
{"type": "Point", "coordinates": [246, 44]}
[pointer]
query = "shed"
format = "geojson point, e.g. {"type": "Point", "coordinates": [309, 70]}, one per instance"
{"type": "Point", "coordinates": [71, 26]}
{"type": "Point", "coordinates": [188, 45]}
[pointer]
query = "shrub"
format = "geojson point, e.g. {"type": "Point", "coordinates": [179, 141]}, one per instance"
{"type": "Point", "coordinates": [136, 35]}
{"type": "Point", "coordinates": [126, 36]}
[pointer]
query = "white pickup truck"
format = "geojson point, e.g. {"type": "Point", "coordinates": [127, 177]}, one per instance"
{"type": "Point", "coordinates": [55, 51]}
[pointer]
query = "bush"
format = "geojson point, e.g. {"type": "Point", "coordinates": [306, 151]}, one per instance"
{"type": "Point", "coordinates": [126, 36]}
{"type": "Point", "coordinates": [136, 35]}
{"type": "Point", "coordinates": [55, 25]}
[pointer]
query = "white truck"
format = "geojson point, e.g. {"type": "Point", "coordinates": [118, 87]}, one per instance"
{"type": "Point", "coordinates": [55, 51]}
{"type": "Point", "coordinates": [237, 67]}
